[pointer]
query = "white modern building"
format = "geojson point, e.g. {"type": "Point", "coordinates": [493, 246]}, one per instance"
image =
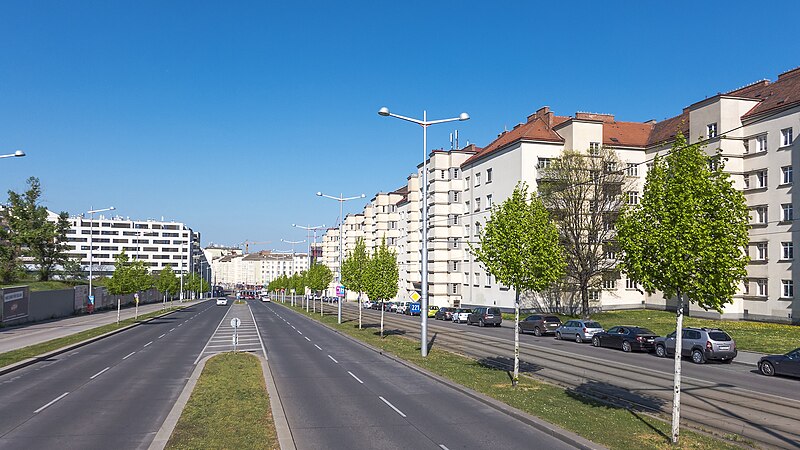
{"type": "Point", "coordinates": [257, 269]}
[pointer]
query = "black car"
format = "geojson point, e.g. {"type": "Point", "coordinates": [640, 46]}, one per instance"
{"type": "Point", "coordinates": [626, 338]}
{"type": "Point", "coordinates": [444, 313]}
{"type": "Point", "coordinates": [539, 324]}
{"type": "Point", "coordinates": [788, 364]}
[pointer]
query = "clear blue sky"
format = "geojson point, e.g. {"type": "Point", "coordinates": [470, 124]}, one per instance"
{"type": "Point", "coordinates": [229, 116]}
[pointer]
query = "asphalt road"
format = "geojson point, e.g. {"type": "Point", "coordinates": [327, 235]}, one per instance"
{"type": "Point", "coordinates": [111, 394]}
{"type": "Point", "coordinates": [338, 394]}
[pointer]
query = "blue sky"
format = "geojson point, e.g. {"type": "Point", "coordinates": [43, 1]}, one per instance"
{"type": "Point", "coordinates": [229, 116]}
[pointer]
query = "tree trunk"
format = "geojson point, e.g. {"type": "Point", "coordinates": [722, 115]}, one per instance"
{"type": "Point", "coordinates": [359, 309]}
{"type": "Point", "coordinates": [584, 301]}
{"type": "Point", "coordinates": [515, 379]}
{"type": "Point", "coordinates": [676, 396]}
{"type": "Point", "coordinates": [382, 305]}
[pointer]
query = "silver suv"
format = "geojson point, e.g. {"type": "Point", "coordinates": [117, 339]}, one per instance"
{"type": "Point", "coordinates": [701, 344]}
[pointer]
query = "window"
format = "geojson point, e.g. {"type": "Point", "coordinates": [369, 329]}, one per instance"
{"type": "Point", "coordinates": [466, 278]}
{"type": "Point", "coordinates": [787, 288]}
{"type": "Point", "coordinates": [594, 148]}
{"type": "Point", "coordinates": [786, 137]}
{"type": "Point", "coordinates": [761, 284]}
{"type": "Point", "coordinates": [455, 196]}
{"type": "Point", "coordinates": [544, 163]}
{"type": "Point", "coordinates": [489, 201]}
{"type": "Point", "coordinates": [478, 229]}
{"type": "Point", "coordinates": [711, 130]}
{"type": "Point", "coordinates": [746, 179]}
{"type": "Point", "coordinates": [392, 225]}
{"type": "Point", "coordinates": [761, 214]}
{"type": "Point", "coordinates": [610, 284]}
{"type": "Point", "coordinates": [467, 180]}
{"type": "Point", "coordinates": [633, 198]}
{"type": "Point", "coordinates": [454, 219]}
{"type": "Point", "coordinates": [477, 179]}
{"type": "Point", "coordinates": [477, 279]}
{"type": "Point", "coordinates": [466, 203]}
{"type": "Point", "coordinates": [442, 175]}
{"type": "Point", "coordinates": [761, 143]}
{"type": "Point", "coordinates": [594, 296]}
{"type": "Point", "coordinates": [746, 287]}
{"type": "Point", "coordinates": [454, 266]}
{"type": "Point", "coordinates": [454, 242]}
{"type": "Point", "coordinates": [488, 176]}
{"type": "Point", "coordinates": [455, 173]}
{"type": "Point", "coordinates": [630, 284]}
{"type": "Point", "coordinates": [632, 170]}
{"type": "Point", "coordinates": [761, 251]}
{"type": "Point", "coordinates": [611, 167]}
{"type": "Point", "coordinates": [478, 204]}
{"type": "Point", "coordinates": [488, 280]}
{"type": "Point", "coordinates": [786, 212]}
{"type": "Point", "coordinates": [787, 250]}
{"type": "Point", "coordinates": [746, 145]}
{"type": "Point", "coordinates": [787, 174]}
{"type": "Point", "coordinates": [466, 230]}
{"type": "Point", "coordinates": [454, 288]}
{"type": "Point", "coordinates": [761, 179]}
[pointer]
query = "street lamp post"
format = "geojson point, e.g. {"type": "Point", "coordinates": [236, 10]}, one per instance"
{"type": "Point", "coordinates": [294, 271]}
{"type": "Point", "coordinates": [309, 229]}
{"type": "Point", "coordinates": [91, 212]}
{"type": "Point", "coordinates": [16, 154]}
{"type": "Point", "coordinates": [424, 123]}
{"type": "Point", "coordinates": [341, 199]}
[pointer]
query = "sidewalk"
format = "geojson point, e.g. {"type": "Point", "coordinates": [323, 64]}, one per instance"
{"type": "Point", "coordinates": [13, 338]}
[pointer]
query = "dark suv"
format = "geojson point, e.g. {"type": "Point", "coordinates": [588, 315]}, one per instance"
{"type": "Point", "coordinates": [539, 325]}
{"type": "Point", "coordinates": [701, 344]}
{"type": "Point", "coordinates": [485, 316]}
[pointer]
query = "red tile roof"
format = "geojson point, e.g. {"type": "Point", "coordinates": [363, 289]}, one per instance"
{"type": "Point", "coordinates": [666, 130]}
{"type": "Point", "coordinates": [626, 134]}
{"type": "Point", "coordinates": [784, 92]}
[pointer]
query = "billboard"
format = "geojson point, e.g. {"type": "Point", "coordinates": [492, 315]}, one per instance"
{"type": "Point", "coordinates": [15, 303]}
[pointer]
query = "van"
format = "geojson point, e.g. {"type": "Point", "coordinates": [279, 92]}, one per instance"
{"type": "Point", "coordinates": [485, 315]}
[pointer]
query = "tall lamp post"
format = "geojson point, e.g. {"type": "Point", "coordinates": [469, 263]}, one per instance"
{"type": "Point", "coordinates": [16, 154]}
{"type": "Point", "coordinates": [341, 199]}
{"type": "Point", "coordinates": [91, 250]}
{"type": "Point", "coordinates": [424, 123]}
{"type": "Point", "coordinates": [310, 229]}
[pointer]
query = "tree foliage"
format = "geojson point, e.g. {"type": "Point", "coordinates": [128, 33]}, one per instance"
{"type": "Point", "coordinates": [167, 282]}
{"type": "Point", "coordinates": [42, 240]}
{"type": "Point", "coordinates": [354, 268]}
{"type": "Point", "coordinates": [129, 276]}
{"type": "Point", "coordinates": [584, 194]}
{"type": "Point", "coordinates": [318, 277]}
{"type": "Point", "coordinates": [10, 266]}
{"type": "Point", "coordinates": [382, 274]}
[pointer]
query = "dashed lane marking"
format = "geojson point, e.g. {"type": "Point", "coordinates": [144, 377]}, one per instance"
{"type": "Point", "coordinates": [51, 402]}
{"type": "Point", "coordinates": [128, 355]}
{"type": "Point", "coordinates": [353, 375]}
{"type": "Point", "coordinates": [333, 359]}
{"type": "Point", "coordinates": [392, 406]}
{"type": "Point", "coordinates": [98, 373]}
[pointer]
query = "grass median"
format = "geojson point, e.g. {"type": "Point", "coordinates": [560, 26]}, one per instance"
{"type": "Point", "coordinates": [614, 427]}
{"type": "Point", "coordinates": [33, 351]}
{"type": "Point", "coordinates": [229, 407]}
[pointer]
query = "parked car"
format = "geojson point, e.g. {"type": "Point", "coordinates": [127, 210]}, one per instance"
{"type": "Point", "coordinates": [391, 306]}
{"type": "Point", "coordinates": [788, 364]}
{"type": "Point", "coordinates": [580, 330]}
{"type": "Point", "coordinates": [539, 324]}
{"type": "Point", "coordinates": [413, 309]}
{"type": "Point", "coordinates": [627, 338]}
{"type": "Point", "coordinates": [444, 313]}
{"type": "Point", "coordinates": [401, 307]}
{"type": "Point", "coordinates": [432, 310]}
{"type": "Point", "coordinates": [376, 306]}
{"type": "Point", "coordinates": [222, 301]}
{"type": "Point", "coordinates": [701, 344]}
{"type": "Point", "coordinates": [484, 315]}
{"type": "Point", "coordinates": [265, 298]}
{"type": "Point", "coordinates": [366, 304]}
{"type": "Point", "coordinates": [460, 315]}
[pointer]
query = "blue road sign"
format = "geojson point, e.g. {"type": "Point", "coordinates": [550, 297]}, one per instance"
{"type": "Point", "coordinates": [414, 308]}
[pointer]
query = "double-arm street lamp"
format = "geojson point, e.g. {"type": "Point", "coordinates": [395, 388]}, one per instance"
{"type": "Point", "coordinates": [91, 250]}
{"type": "Point", "coordinates": [341, 199]}
{"type": "Point", "coordinates": [309, 229]}
{"type": "Point", "coordinates": [16, 154]}
{"type": "Point", "coordinates": [424, 123]}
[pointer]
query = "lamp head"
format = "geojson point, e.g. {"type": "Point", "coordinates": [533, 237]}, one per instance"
{"type": "Point", "coordinates": [319, 194]}
{"type": "Point", "coordinates": [19, 153]}
{"type": "Point", "coordinates": [383, 111]}
{"type": "Point", "coordinates": [111, 208]}
{"type": "Point", "coordinates": [463, 116]}
{"type": "Point", "coordinates": [362, 195]}
{"type": "Point", "coordinates": [294, 224]}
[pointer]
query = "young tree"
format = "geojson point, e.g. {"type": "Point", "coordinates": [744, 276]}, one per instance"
{"type": "Point", "coordinates": [318, 278]}
{"type": "Point", "coordinates": [520, 246]}
{"type": "Point", "coordinates": [686, 238]}
{"type": "Point", "coordinates": [71, 269]}
{"type": "Point", "coordinates": [10, 267]}
{"type": "Point", "coordinates": [354, 272]}
{"type": "Point", "coordinates": [381, 277]}
{"type": "Point", "coordinates": [166, 281]}
{"type": "Point", "coordinates": [584, 193]}
{"type": "Point", "coordinates": [42, 240]}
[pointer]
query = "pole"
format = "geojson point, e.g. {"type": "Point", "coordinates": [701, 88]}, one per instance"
{"type": "Point", "coordinates": [341, 255]}
{"type": "Point", "coordinates": [676, 394]}
{"type": "Point", "coordinates": [424, 303]}
{"type": "Point", "coordinates": [118, 308]}
{"type": "Point", "coordinates": [180, 297]}
{"type": "Point", "coordinates": [90, 307]}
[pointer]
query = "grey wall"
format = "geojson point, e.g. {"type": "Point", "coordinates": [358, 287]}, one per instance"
{"type": "Point", "coordinates": [46, 305]}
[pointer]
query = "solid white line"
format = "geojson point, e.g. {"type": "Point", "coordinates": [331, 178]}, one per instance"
{"type": "Point", "coordinates": [148, 344]}
{"type": "Point", "coordinates": [263, 350]}
{"type": "Point", "coordinates": [51, 402]}
{"type": "Point", "coordinates": [318, 347]}
{"type": "Point", "coordinates": [162, 335]}
{"type": "Point", "coordinates": [212, 336]}
{"type": "Point", "coordinates": [331, 357]}
{"type": "Point", "coordinates": [392, 406]}
{"type": "Point", "coordinates": [129, 355]}
{"type": "Point", "coordinates": [98, 373]}
{"type": "Point", "coordinates": [357, 379]}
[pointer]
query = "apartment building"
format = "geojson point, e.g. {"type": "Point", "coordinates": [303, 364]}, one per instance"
{"type": "Point", "coordinates": [257, 269]}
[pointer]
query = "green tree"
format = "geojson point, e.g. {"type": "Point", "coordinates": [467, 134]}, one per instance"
{"type": "Point", "coordinates": [354, 272]}
{"type": "Point", "coordinates": [520, 246]}
{"type": "Point", "coordinates": [129, 276]}
{"type": "Point", "coordinates": [298, 283]}
{"type": "Point", "coordinates": [167, 282]}
{"type": "Point", "coordinates": [10, 266]}
{"type": "Point", "coordinates": [71, 269]}
{"type": "Point", "coordinates": [381, 278]}
{"type": "Point", "coordinates": [318, 278]}
{"type": "Point", "coordinates": [29, 228]}
{"type": "Point", "coordinates": [686, 238]}
{"type": "Point", "coordinates": [584, 193]}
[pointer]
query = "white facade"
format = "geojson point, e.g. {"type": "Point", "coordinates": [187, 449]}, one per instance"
{"type": "Point", "coordinates": [257, 269]}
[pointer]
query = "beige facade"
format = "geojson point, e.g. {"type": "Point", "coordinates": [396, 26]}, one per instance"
{"type": "Point", "coordinates": [256, 269]}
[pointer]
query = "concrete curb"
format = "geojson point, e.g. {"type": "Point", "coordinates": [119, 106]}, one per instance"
{"type": "Point", "coordinates": [552, 430]}
{"type": "Point", "coordinates": [27, 362]}
{"type": "Point", "coordinates": [285, 438]}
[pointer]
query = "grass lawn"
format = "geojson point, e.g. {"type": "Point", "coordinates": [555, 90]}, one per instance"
{"type": "Point", "coordinates": [229, 408]}
{"type": "Point", "coordinates": [43, 285]}
{"type": "Point", "coordinates": [613, 427]}
{"type": "Point", "coordinates": [751, 336]}
{"type": "Point", "coordinates": [35, 350]}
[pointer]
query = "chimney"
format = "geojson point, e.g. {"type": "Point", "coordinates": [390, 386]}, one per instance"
{"type": "Point", "coordinates": [543, 113]}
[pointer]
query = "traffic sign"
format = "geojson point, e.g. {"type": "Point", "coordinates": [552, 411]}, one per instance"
{"type": "Point", "coordinates": [414, 308]}
{"type": "Point", "coordinates": [235, 322]}
{"type": "Point", "coordinates": [339, 290]}
{"type": "Point", "coordinates": [415, 296]}
{"type": "Point", "coordinates": [235, 339]}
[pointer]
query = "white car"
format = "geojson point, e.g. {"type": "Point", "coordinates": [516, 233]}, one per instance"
{"type": "Point", "coordinates": [222, 301]}
{"type": "Point", "coordinates": [265, 298]}
{"type": "Point", "coordinates": [460, 315]}
{"type": "Point", "coordinates": [366, 304]}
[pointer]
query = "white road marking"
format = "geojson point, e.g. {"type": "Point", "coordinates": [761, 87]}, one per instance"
{"type": "Point", "coordinates": [128, 355]}
{"type": "Point", "coordinates": [145, 345]}
{"type": "Point", "coordinates": [309, 340]}
{"type": "Point", "coordinates": [443, 447]}
{"type": "Point", "coordinates": [331, 357]}
{"type": "Point", "coordinates": [51, 402]}
{"type": "Point", "coordinates": [172, 329]}
{"type": "Point", "coordinates": [357, 379]}
{"type": "Point", "coordinates": [392, 406]}
{"type": "Point", "coordinates": [180, 324]}
{"type": "Point", "coordinates": [318, 347]}
{"type": "Point", "coordinates": [299, 331]}
{"type": "Point", "coordinates": [162, 335]}
{"type": "Point", "coordinates": [293, 327]}
{"type": "Point", "coordinates": [98, 373]}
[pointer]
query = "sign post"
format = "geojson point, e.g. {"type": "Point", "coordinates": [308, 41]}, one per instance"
{"type": "Point", "coordinates": [136, 300]}
{"type": "Point", "coordinates": [235, 322]}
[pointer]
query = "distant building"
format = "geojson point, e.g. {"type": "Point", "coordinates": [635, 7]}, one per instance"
{"type": "Point", "coordinates": [256, 269]}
